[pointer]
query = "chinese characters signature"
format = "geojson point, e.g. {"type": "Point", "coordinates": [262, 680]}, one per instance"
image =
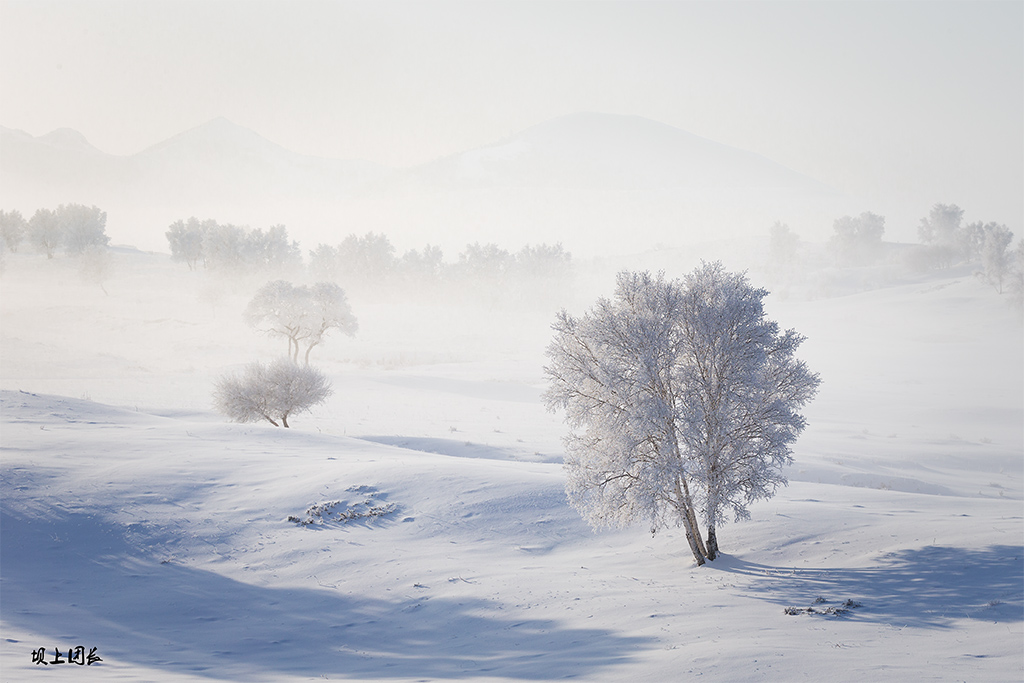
{"type": "Point", "coordinates": [75, 655]}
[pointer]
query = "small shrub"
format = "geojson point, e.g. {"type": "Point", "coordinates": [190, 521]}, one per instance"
{"type": "Point", "coordinates": [270, 392]}
{"type": "Point", "coordinates": [328, 511]}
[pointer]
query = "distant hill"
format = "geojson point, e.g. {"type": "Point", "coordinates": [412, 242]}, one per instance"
{"type": "Point", "coordinates": [595, 182]}
{"type": "Point", "coordinates": [599, 183]}
{"type": "Point", "coordinates": [217, 162]}
{"type": "Point", "coordinates": [608, 151]}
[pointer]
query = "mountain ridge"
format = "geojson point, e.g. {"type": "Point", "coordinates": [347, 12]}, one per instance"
{"type": "Point", "coordinates": [585, 179]}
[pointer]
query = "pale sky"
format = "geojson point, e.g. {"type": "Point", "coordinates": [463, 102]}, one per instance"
{"type": "Point", "coordinates": [904, 103]}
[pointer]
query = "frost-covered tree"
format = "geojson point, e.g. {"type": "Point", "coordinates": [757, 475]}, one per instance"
{"type": "Point", "coordinates": [365, 260]}
{"type": "Point", "coordinates": [682, 398]}
{"type": "Point", "coordinates": [484, 262]}
{"type": "Point", "coordinates": [858, 240]}
{"type": "Point", "coordinates": [224, 246]}
{"type": "Point", "coordinates": [941, 225]}
{"type": "Point", "coordinates": [271, 392]}
{"type": "Point", "coordinates": [422, 267]}
{"type": "Point", "coordinates": [327, 309]}
{"type": "Point", "coordinates": [544, 261]}
{"type": "Point", "coordinates": [276, 309]}
{"type": "Point", "coordinates": [301, 314]}
{"type": "Point", "coordinates": [948, 240]}
{"type": "Point", "coordinates": [12, 229]}
{"type": "Point", "coordinates": [83, 227]}
{"type": "Point", "coordinates": [782, 245]}
{"type": "Point", "coordinates": [323, 262]}
{"type": "Point", "coordinates": [1015, 286]}
{"type": "Point", "coordinates": [741, 386]}
{"type": "Point", "coordinates": [44, 231]}
{"type": "Point", "coordinates": [230, 247]}
{"type": "Point", "coordinates": [186, 241]}
{"type": "Point", "coordinates": [970, 240]}
{"type": "Point", "coordinates": [271, 249]}
{"type": "Point", "coordinates": [996, 259]}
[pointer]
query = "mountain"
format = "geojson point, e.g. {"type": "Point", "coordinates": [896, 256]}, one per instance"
{"type": "Point", "coordinates": [599, 183]}
{"type": "Point", "coordinates": [216, 162]}
{"type": "Point", "coordinates": [596, 182]}
{"type": "Point", "coordinates": [221, 161]}
{"type": "Point", "coordinates": [55, 168]}
{"type": "Point", "coordinates": [607, 151]}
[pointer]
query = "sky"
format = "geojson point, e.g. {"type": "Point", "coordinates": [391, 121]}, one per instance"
{"type": "Point", "coordinates": [904, 103]}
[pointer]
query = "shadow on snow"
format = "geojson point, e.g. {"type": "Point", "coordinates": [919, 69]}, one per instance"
{"type": "Point", "coordinates": [460, 449]}
{"type": "Point", "coordinates": [927, 587]}
{"type": "Point", "coordinates": [76, 580]}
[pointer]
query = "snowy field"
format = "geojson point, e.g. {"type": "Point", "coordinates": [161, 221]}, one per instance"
{"type": "Point", "coordinates": [137, 521]}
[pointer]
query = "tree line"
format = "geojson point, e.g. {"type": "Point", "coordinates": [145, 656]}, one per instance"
{"type": "Point", "coordinates": [72, 228]}
{"type": "Point", "coordinates": [370, 263]}
{"type": "Point", "coordinates": [946, 241]}
{"type": "Point", "coordinates": [228, 247]}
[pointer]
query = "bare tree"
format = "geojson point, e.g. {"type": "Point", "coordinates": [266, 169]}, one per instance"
{"type": "Point", "coordinates": [270, 392]}
{"type": "Point", "coordinates": [301, 314]}
{"type": "Point", "coordinates": [681, 397]}
{"type": "Point", "coordinates": [327, 309]}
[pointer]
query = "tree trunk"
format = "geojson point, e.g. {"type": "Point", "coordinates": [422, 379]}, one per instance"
{"type": "Point", "coordinates": [712, 542]}
{"type": "Point", "coordinates": [685, 505]}
{"type": "Point", "coordinates": [284, 421]}
{"type": "Point", "coordinates": [692, 519]}
{"type": "Point", "coordinates": [271, 421]}
{"type": "Point", "coordinates": [308, 349]}
{"type": "Point", "coordinates": [693, 537]}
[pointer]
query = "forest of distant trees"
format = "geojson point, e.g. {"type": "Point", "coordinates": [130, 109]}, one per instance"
{"type": "Point", "coordinates": [370, 265]}
{"type": "Point", "coordinates": [946, 242]}
{"type": "Point", "coordinates": [71, 228]}
{"type": "Point", "coordinates": [229, 247]}
{"type": "Point", "coordinates": [855, 257]}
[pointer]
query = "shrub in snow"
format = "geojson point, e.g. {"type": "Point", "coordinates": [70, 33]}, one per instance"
{"type": "Point", "coordinates": [324, 513]}
{"type": "Point", "coordinates": [683, 401]}
{"type": "Point", "coordinates": [832, 610]}
{"type": "Point", "coordinates": [270, 392]}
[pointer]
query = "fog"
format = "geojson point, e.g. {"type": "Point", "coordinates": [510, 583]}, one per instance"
{"type": "Point", "coordinates": [408, 194]}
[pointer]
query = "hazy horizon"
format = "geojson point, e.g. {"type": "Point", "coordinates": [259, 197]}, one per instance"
{"type": "Point", "coordinates": [901, 105]}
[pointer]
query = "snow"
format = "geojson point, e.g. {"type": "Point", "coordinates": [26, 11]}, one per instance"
{"type": "Point", "coordinates": [137, 521]}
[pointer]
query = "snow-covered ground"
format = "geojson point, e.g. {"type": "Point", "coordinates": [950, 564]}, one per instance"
{"type": "Point", "coordinates": [137, 521]}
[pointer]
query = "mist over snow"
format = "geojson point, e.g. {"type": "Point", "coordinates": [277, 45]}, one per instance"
{"type": "Point", "coordinates": [575, 180]}
{"type": "Point", "coordinates": [287, 292]}
{"type": "Point", "coordinates": [415, 524]}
